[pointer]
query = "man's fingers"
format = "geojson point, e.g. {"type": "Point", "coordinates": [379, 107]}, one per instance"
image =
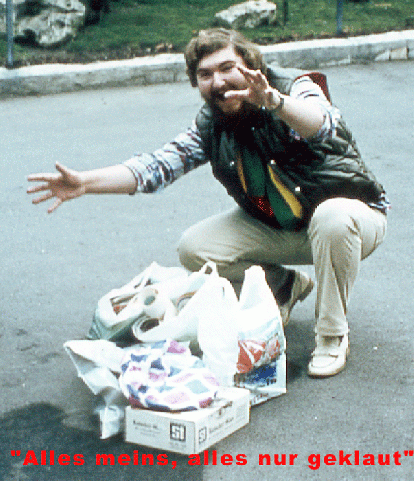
{"type": "Point", "coordinates": [38, 188]}
{"type": "Point", "coordinates": [236, 94]}
{"type": "Point", "coordinates": [42, 198]}
{"type": "Point", "coordinates": [43, 177]}
{"type": "Point", "coordinates": [244, 70]}
{"type": "Point", "coordinates": [48, 177]}
{"type": "Point", "coordinates": [253, 75]}
{"type": "Point", "coordinates": [256, 79]}
{"type": "Point", "coordinates": [62, 168]}
{"type": "Point", "coordinates": [248, 95]}
{"type": "Point", "coordinates": [49, 180]}
{"type": "Point", "coordinates": [54, 206]}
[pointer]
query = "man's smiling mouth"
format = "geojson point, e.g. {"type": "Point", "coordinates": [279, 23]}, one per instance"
{"type": "Point", "coordinates": [220, 96]}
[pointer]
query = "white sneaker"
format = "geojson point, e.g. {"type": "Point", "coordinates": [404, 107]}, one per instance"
{"type": "Point", "coordinates": [301, 288]}
{"type": "Point", "coordinates": [329, 356]}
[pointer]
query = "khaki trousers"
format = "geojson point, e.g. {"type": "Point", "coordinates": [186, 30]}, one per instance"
{"type": "Point", "coordinates": [340, 234]}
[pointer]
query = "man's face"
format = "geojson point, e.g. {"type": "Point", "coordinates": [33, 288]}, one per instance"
{"type": "Point", "coordinates": [216, 74]}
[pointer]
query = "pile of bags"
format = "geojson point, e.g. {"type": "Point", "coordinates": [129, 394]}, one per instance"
{"type": "Point", "coordinates": [183, 335]}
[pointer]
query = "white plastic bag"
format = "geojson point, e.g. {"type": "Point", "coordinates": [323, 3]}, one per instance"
{"type": "Point", "coordinates": [121, 308]}
{"type": "Point", "coordinates": [101, 365]}
{"type": "Point", "coordinates": [261, 336]}
{"type": "Point", "coordinates": [242, 341]}
{"type": "Point", "coordinates": [189, 296]}
{"type": "Point", "coordinates": [217, 310]}
{"type": "Point", "coordinates": [262, 362]}
{"type": "Point", "coordinates": [98, 364]}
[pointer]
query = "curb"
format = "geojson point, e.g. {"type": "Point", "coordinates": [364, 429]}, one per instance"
{"type": "Point", "coordinates": [166, 68]}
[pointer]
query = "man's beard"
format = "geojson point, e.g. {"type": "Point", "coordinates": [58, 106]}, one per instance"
{"type": "Point", "coordinates": [215, 98]}
{"type": "Point", "coordinates": [214, 102]}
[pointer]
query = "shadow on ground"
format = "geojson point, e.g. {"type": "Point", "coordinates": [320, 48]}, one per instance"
{"type": "Point", "coordinates": [38, 429]}
{"type": "Point", "coordinates": [41, 427]}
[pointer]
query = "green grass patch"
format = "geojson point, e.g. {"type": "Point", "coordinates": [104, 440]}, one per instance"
{"type": "Point", "coordinates": [134, 28]}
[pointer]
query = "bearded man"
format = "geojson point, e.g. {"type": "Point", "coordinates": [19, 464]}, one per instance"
{"type": "Point", "coordinates": [284, 153]}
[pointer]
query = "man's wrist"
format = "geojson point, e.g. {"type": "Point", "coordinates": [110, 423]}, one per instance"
{"type": "Point", "coordinates": [276, 103]}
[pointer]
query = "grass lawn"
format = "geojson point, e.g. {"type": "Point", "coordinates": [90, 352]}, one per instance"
{"type": "Point", "coordinates": [135, 28]}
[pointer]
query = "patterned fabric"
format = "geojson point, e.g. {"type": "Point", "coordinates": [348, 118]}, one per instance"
{"type": "Point", "coordinates": [165, 376]}
{"type": "Point", "coordinates": [384, 205]}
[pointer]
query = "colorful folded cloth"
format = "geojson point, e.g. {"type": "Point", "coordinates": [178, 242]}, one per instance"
{"type": "Point", "coordinates": [165, 376]}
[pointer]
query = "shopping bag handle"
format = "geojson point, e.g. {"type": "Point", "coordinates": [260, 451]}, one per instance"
{"type": "Point", "coordinates": [209, 265]}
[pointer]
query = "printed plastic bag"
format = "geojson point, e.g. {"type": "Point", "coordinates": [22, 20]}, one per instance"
{"type": "Point", "coordinates": [261, 363]}
{"type": "Point", "coordinates": [261, 336]}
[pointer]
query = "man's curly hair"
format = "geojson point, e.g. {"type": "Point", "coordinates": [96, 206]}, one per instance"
{"type": "Point", "coordinates": [214, 39]}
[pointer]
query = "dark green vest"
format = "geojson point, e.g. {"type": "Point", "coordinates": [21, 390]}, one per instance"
{"type": "Point", "coordinates": [312, 171]}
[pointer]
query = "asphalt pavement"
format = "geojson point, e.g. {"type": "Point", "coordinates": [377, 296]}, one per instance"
{"type": "Point", "coordinates": [56, 267]}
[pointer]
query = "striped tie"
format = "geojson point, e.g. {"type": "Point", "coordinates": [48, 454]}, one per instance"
{"type": "Point", "coordinates": [268, 192]}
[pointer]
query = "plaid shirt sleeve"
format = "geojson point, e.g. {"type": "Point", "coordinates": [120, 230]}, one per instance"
{"type": "Point", "coordinates": [162, 167]}
{"type": "Point", "coordinates": [305, 88]}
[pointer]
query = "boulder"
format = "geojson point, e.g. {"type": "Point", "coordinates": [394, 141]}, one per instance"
{"type": "Point", "coordinates": [249, 14]}
{"type": "Point", "coordinates": [46, 23]}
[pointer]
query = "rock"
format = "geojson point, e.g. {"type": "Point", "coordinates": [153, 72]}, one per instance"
{"type": "Point", "coordinates": [249, 14]}
{"type": "Point", "coordinates": [46, 23]}
{"type": "Point", "coordinates": [163, 47]}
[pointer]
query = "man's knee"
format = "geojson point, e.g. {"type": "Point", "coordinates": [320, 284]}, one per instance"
{"type": "Point", "coordinates": [332, 221]}
{"type": "Point", "coordinates": [188, 250]}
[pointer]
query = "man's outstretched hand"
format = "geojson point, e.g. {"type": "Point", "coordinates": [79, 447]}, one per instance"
{"type": "Point", "coordinates": [64, 185]}
{"type": "Point", "coordinates": [258, 91]}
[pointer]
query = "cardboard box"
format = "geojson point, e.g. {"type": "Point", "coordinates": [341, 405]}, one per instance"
{"type": "Point", "coordinates": [193, 431]}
